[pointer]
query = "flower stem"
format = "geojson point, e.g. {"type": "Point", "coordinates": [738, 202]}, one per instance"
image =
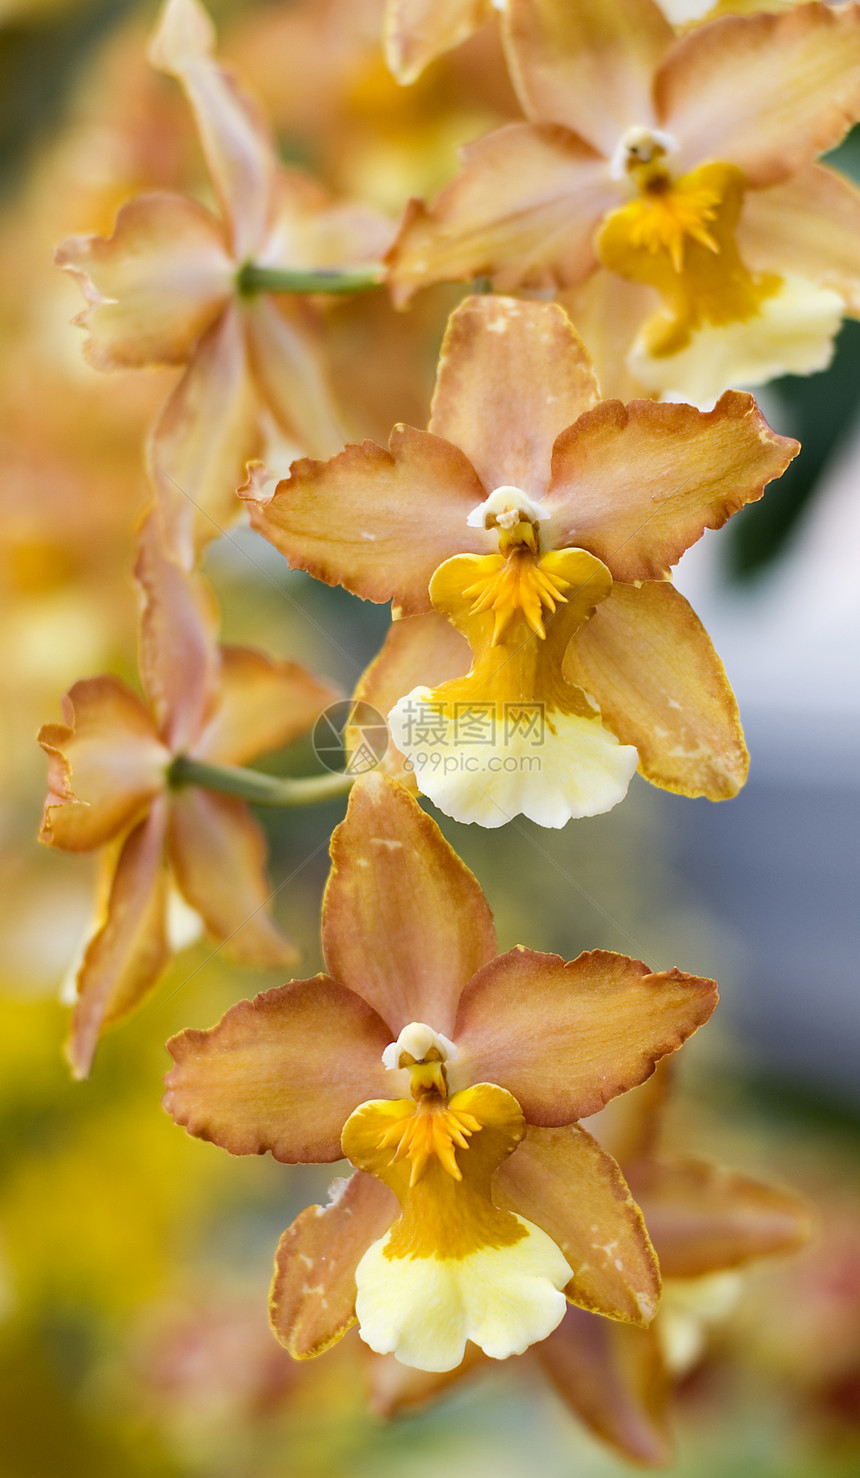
{"type": "Point", "coordinates": [254, 279]}
{"type": "Point", "coordinates": [251, 785]}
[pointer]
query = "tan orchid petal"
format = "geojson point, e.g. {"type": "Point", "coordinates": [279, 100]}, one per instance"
{"type": "Point", "coordinates": [808, 226]}
{"type": "Point", "coordinates": [704, 1219]}
{"type": "Point", "coordinates": [129, 948]}
{"type": "Point", "coordinates": [178, 655]}
{"type": "Point", "coordinates": [607, 312]}
{"type": "Point", "coordinates": [154, 286]}
{"type": "Point", "coordinates": [765, 92]}
{"type": "Point", "coordinates": [512, 376]}
{"type": "Point", "coordinates": [290, 373]}
{"type": "Point", "coordinates": [106, 763]}
{"type": "Point", "coordinates": [613, 1378]}
{"type": "Point", "coordinates": [404, 921]}
{"type": "Point", "coordinates": [523, 210]}
{"type": "Point", "coordinates": [629, 1126]}
{"type": "Point", "coordinates": [565, 1038]}
{"type": "Point", "coordinates": [417, 31]}
{"type": "Point", "coordinates": [650, 665]}
{"type": "Point", "coordinates": [312, 1302]}
{"type": "Point", "coordinates": [564, 1182]}
{"type": "Point", "coordinates": [237, 144]}
{"type": "Point", "coordinates": [312, 229]}
{"type": "Point", "coordinates": [395, 1388]}
{"type": "Point", "coordinates": [205, 433]}
{"type": "Point", "coordinates": [281, 1073]}
{"type": "Point", "coordinates": [377, 522]}
{"type": "Point", "coordinates": [218, 855]}
{"type": "Point", "coordinates": [588, 65]}
{"type": "Point", "coordinates": [263, 704]}
{"type": "Point", "coordinates": [418, 649]}
{"type": "Point", "coordinates": [637, 485]}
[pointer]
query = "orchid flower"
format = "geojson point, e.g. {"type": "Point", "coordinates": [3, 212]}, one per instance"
{"type": "Point", "coordinates": [684, 166]}
{"type": "Point", "coordinates": [541, 523]}
{"type": "Point", "coordinates": [174, 284]}
{"type": "Point", "coordinates": [109, 788]}
{"type": "Point", "coordinates": [452, 1077]}
{"type": "Point", "coordinates": [706, 1224]}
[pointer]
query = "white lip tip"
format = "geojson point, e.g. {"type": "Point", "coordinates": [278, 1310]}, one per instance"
{"type": "Point", "coordinates": [417, 1039]}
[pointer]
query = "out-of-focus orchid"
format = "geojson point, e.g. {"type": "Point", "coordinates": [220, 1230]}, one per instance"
{"type": "Point", "coordinates": [706, 1224]}
{"type": "Point", "coordinates": [529, 507]}
{"type": "Point", "coordinates": [684, 165]}
{"type": "Point", "coordinates": [417, 31]}
{"type": "Point", "coordinates": [175, 284]}
{"type": "Point", "coordinates": [438, 1066]}
{"type": "Point", "coordinates": [109, 787]}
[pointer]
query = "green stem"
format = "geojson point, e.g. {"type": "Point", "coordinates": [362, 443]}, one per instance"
{"type": "Point", "coordinates": [254, 279]}
{"type": "Point", "coordinates": [251, 785]}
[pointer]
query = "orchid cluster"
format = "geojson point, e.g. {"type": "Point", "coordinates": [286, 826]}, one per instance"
{"type": "Point", "coordinates": [656, 225]}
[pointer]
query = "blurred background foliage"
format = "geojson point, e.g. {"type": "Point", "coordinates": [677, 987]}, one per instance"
{"type": "Point", "coordinates": [134, 1262]}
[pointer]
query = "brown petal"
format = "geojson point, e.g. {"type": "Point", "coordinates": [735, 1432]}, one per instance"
{"type": "Point", "coordinates": [564, 1182]}
{"type": "Point", "coordinates": [565, 1038]}
{"type": "Point", "coordinates": [206, 432]}
{"type": "Point", "coordinates": [418, 650]}
{"type": "Point", "coordinates": [810, 226]}
{"type": "Point", "coordinates": [237, 144]}
{"type": "Point", "coordinates": [178, 655]}
{"type": "Point", "coordinates": [765, 92]}
{"type": "Point", "coordinates": [588, 65]}
{"type": "Point", "coordinates": [218, 854]}
{"type": "Point", "coordinates": [291, 376]}
{"type": "Point", "coordinates": [417, 31]}
{"type": "Point", "coordinates": [312, 1302]}
{"type": "Point", "coordinates": [638, 484]}
{"type": "Point", "coordinates": [129, 948]}
{"type": "Point", "coordinates": [524, 210]}
{"type": "Point", "coordinates": [613, 1378]}
{"type": "Point", "coordinates": [396, 1388]}
{"type": "Point", "coordinates": [263, 705]}
{"type": "Point", "coordinates": [105, 763]}
{"type": "Point", "coordinates": [704, 1219]}
{"type": "Point", "coordinates": [512, 376]}
{"type": "Point", "coordinates": [404, 921]}
{"type": "Point", "coordinates": [282, 1072]}
{"type": "Point", "coordinates": [154, 286]}
{"type": "Point", "coordinates": [379, 523]}
{"type": "Point", "coordinates": [651, 668]}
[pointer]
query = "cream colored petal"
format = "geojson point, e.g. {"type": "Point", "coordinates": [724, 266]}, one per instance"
{"type": "Point", "coordinates": [405, 923]}
{"type": "Point", "coordinates": [237, 144]}
{"type": "Point", "coordinates": [417, 649]}
{"type": "Point", "coordinates": [649, 663]}
{"type": "Point", "coordinates": [291, 376]}
{"type": "Point", "coordinates": [588, 65]}
{"type": "Point", "coordinates": [154, 286]}
{"type": "Point", "coordinates": [765, 92]}
{"type": "Point", "coordinates": [417, 31]}
{"type": "Point", "coordinates": [423, 1310]}
{"type": "Point", "coordinates": [311, 228]}
{"type": "Point", "coordinates": [808, 227]}
{"type": "Point", "coordinates": [576, 767]}
{"type": "Point", "coordinates": [512, 376]}
{"type": "Point", "coordinates": [129, 948]}
{"type": "Point", "coordinates": [206, 432]}
{"type": "Point", "coordinates": [523, 211]}
{"type": "Point", "coordinates": [263, 704]}
{"type": "Point", "coordinates": [218, 856]}
{"type": "Point", "coordinates": [178, 655]}
{"type": "Point", "coordinates": [792, 334]}
{"type": "Point", "coordinates": [106, 762]}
